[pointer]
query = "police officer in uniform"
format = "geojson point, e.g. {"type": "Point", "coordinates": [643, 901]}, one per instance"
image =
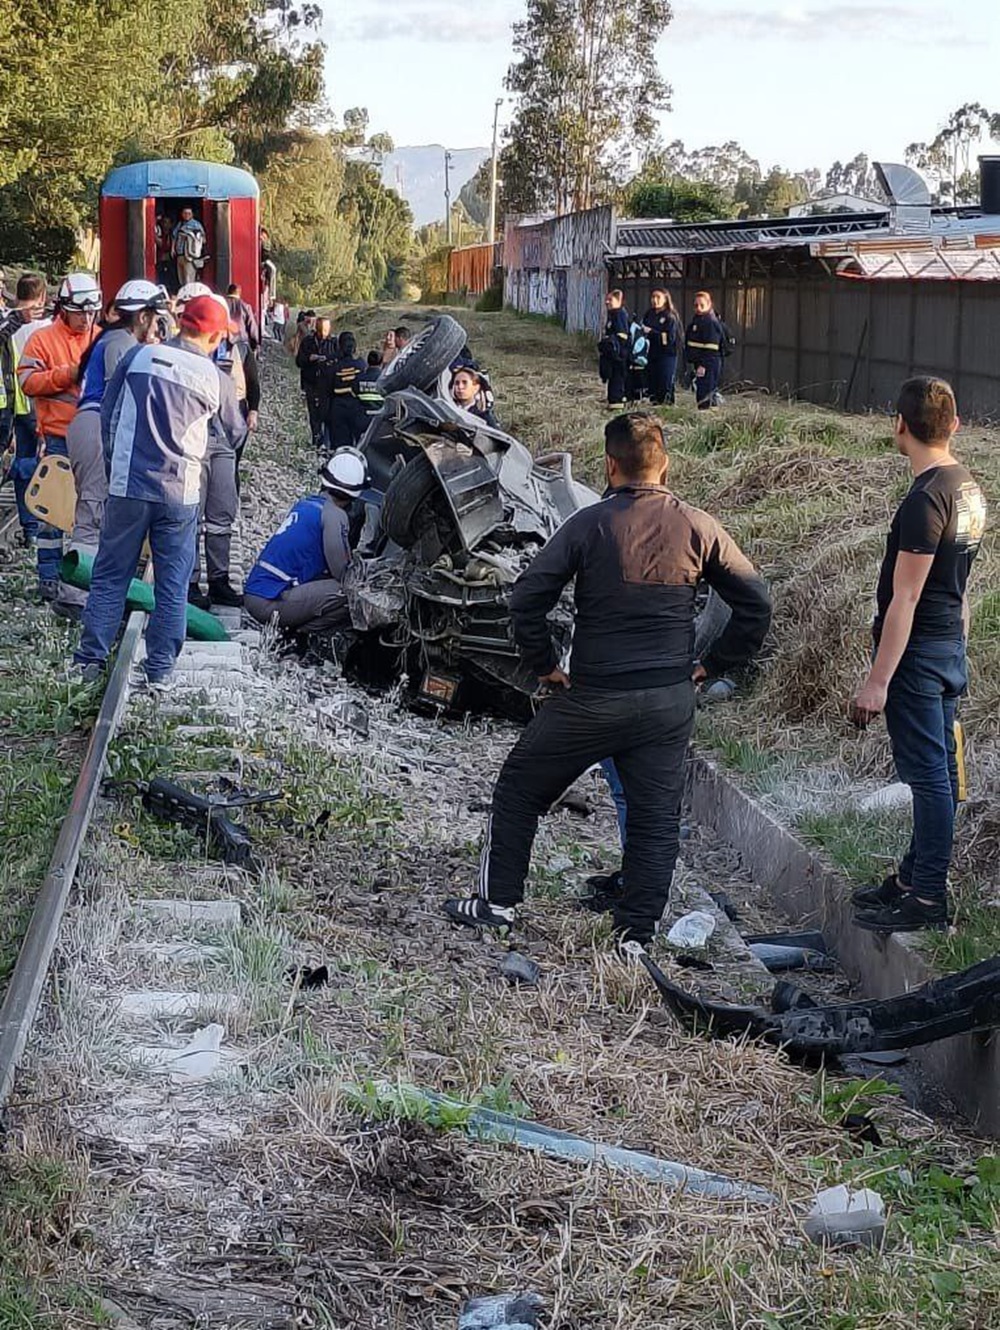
{"type": "Point", "coordinates": [298, 576]}
{"type": "Point", "coordinates": [614, 347]}
{"type": "Point", "coordinates": [665, 332]}
{"type": "Point", "coordinates": [704, 347]}
{"type": "Point", "coordinates": [346, 420]}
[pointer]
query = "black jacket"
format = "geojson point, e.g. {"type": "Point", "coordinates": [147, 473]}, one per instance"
{"type": "Point", "coordinates": [637, 557]}
{"type": "Point", "coordinates": [313, 373]}
{"type": "Point", "coordinates": [665, 332]}
{"type": "Point", "coordinates": [705, 337]}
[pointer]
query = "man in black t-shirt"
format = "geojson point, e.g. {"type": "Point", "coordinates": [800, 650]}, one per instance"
{"type": "Point", "coordinates": [919, 671]}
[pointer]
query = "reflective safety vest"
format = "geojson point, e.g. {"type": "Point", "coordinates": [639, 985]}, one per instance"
{"type": "Point", "coordinates": [294, 554]}
{"type": "Point", "coordinates": [368, 392]}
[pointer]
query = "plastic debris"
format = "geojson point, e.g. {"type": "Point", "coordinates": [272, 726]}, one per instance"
{"type": "Point", "coordinates": [692, 929]}
{"type": "Point", "coordinates": [777, 958]}
{"type": "Point", "coordinates": [559, 863]}
{"type": "Point", "coordinates": [518, 1311]}
{"type": "Point", "coordinates": [843, 1218]}
{"type": "Point", "coordinates": [308, 976]}
{"type": "Point", "coordinates": [719, 690]}
{"type": "Point", "coordinates": [896, 795]}
{"type": "Point", "coordinates": [518, 969]}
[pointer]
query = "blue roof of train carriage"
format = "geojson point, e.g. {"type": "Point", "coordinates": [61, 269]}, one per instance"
{"type": "Point", "coordinates": [179, 178]}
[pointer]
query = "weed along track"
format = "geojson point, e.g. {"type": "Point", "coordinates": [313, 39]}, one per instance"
{"type": "Point", "coordinates": [251, 1095]}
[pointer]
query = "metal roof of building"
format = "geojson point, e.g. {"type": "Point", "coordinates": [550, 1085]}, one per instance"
{"type": "Point", "coordinates": [836, 233]}
{"type": "Point", "coordinates": [979, 265]}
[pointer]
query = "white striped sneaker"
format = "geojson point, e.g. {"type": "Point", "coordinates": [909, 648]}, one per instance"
{"type": "Point", "coordinates": [474, 912]}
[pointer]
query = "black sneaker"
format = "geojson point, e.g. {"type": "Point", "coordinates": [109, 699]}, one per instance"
{"type": "Point", "coordinates": [67, 609]}
{"type": "Point", "coordinates": [888, 892]}
{"type": "Point", "coordinates": [222, 593]}
{"type": "Point", "coordinates": [474, 912]}
{"type": "Point", "coordinates": [197, 597]}
{"type": "Point", "coordinates": [907, 915]}
{"type": "Point", "coordinates": [48, 590]}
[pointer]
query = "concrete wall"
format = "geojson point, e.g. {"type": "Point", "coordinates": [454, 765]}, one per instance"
{"type": "Point", "coordinates": [557, 268]}
{"type": "Point", "coordinates": [965, 1069]}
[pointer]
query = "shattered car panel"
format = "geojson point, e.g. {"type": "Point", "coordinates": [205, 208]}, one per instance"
{"type": "Point", "coordinates": [461, 508]}
{"type": "Point", "coordinates": [957, 1004]}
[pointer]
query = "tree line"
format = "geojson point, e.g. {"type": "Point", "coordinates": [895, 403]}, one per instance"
{"type": "Point", "coordinates": [585, 131]}
{"type": "Point", "coordinates": [92, 84]}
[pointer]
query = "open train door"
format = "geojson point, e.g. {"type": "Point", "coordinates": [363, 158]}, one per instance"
{"type": "Point", "coordinates": [128, 241]}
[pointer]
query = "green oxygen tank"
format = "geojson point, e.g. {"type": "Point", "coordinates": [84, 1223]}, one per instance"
{"type": "Point", "coordinates": [77, 569]}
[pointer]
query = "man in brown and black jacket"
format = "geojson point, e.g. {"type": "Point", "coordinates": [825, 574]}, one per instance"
{"type": "Point", "coordinates": [637, 557]}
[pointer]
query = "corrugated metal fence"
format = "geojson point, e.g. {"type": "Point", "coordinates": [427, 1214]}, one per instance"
{"type": "Point", "coordinates": [803, 332]}
{"type": "Point", "coordinates": [557, 268]}
{"type": "Point", "coordinates": [473, 269]}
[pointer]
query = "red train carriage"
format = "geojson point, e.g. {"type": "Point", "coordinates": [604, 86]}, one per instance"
{"type": "Point", "coordinates": [141, 205]}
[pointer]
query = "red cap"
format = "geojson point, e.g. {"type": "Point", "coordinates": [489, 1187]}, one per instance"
{"type": "Point", "coordinates": [203, 314]}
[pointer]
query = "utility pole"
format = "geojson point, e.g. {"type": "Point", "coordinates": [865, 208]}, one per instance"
{"type": "Point", "coordinates": [447, 197]}
{"type": "Point", "coordinates": [493, 175]}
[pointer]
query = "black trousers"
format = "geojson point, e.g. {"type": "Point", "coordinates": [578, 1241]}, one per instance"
{"type": "Point", "coordinates": [660, 375]}
{"type": "Point", "coordinates": [646, 731]}
{"type": "Point", "coordinates": [316, 405]}
{"type": "Point", "coordinates": [707, 385]}
{"type": "Point", "coordinates": [346, 421]}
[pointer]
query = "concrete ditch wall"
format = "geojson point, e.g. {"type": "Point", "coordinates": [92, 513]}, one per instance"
{"type": "Point", "coordinates": [966, 1068]}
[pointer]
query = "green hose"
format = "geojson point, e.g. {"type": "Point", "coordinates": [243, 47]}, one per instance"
{"type": "Point", "coordinates": [77, 569]}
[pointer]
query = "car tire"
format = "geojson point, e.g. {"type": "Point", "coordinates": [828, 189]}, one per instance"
{"type": "Point", "coordinates": [406, 504]}
{"type": "Point", "coordinates": [427, 355]}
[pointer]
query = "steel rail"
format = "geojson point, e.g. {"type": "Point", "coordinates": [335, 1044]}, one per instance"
{"type": "Point", "coordinates": [24, 991]}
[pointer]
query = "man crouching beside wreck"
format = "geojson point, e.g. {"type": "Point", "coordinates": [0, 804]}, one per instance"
{"type": "Point", "coordinates": [637, 557]}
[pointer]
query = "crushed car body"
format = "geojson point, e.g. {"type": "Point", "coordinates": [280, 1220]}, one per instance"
{"type": "Point", "coordinates": [455, 510]}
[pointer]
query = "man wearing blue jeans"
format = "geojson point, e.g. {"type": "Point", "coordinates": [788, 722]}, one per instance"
{"type": "Point", "coordinates": [918, 672]}
{"type": "Point", "coordinates": [154, 424]}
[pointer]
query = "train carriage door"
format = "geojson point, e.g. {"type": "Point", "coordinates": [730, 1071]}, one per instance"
{"type": "Point", "coordinates": [140, 239]}
{"type": "Point", "coordinates": [223, 246]}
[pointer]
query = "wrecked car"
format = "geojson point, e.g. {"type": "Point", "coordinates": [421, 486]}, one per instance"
{"type": "Point", "coordinates": [455, 510]}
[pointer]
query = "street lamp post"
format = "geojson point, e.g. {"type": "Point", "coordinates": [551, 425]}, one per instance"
{"type": "Point", "coordinates": [493, 174]}
{"type": "Point", "coordinates": [447, 197]}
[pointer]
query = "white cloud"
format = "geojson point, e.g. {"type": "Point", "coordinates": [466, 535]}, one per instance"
{"type": "Point", "coordinates": [903, 24]}
{"type": "Point", "coordinates": [437, 23]}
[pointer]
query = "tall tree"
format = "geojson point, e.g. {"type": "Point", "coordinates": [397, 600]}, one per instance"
{"type": "Point", "coordinates": [946, 160]}
{"type": "Point", "coordinates": [588, 85]}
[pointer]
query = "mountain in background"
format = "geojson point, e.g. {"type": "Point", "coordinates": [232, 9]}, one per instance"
{"type": "Point", "coordinates": [418, 175]}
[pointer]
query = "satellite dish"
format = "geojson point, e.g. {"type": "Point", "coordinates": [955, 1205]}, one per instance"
{"type": "Point", "coordinates": [902, 184]}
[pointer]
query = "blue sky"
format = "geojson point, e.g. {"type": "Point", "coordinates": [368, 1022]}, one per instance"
{"type": "Point", "coordinates": [795, 83]}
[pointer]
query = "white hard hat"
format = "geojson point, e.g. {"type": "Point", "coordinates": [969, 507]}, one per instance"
{"type": "Point", "coordinates": [79, 291]}
{"type": "Point", "coordinates": [346, 472]}
{"type": "Point", "coordinates": [192, 289]}
{"type": "Point", "coordinates": [140, 294]}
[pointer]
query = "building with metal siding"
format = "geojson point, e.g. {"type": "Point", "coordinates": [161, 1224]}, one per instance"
{"type": "Point", "coordinates": [840, 309]}
{"type": "Point", "coordinates": [556, 267]}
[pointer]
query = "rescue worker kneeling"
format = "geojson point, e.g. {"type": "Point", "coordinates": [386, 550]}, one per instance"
{"type": "Point", "coordinates": [297, 577]}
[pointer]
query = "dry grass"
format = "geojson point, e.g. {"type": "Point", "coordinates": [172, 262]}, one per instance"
{"type": "Point", "coordinates": [809, 495]}
{"type": "Point", "coordinates": [326, 1213]}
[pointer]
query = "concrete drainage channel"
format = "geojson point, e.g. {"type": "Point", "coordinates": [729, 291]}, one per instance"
{"type": "Point", "coordinates": [965, 1068]}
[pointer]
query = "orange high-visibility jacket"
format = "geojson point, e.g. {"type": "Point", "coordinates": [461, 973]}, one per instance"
{"type": "Point", "coordinates": [47, 371]}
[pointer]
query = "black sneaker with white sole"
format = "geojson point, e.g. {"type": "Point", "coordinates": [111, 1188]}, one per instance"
{"type": "Point", "coordinates": [888, 892]}
{"type": "Point", "coordinates": [474, 912]}
{"type": "Point", "coordinates": [907, 915]}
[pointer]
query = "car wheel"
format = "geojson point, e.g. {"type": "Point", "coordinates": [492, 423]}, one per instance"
{"type": "Point", "coordinates": [407, 508]}
{"type": "Point", "coordinates": [424, 357]}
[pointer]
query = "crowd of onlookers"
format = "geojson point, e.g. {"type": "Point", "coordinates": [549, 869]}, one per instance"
{"type": "Point", "coordinates": [342, 389]}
